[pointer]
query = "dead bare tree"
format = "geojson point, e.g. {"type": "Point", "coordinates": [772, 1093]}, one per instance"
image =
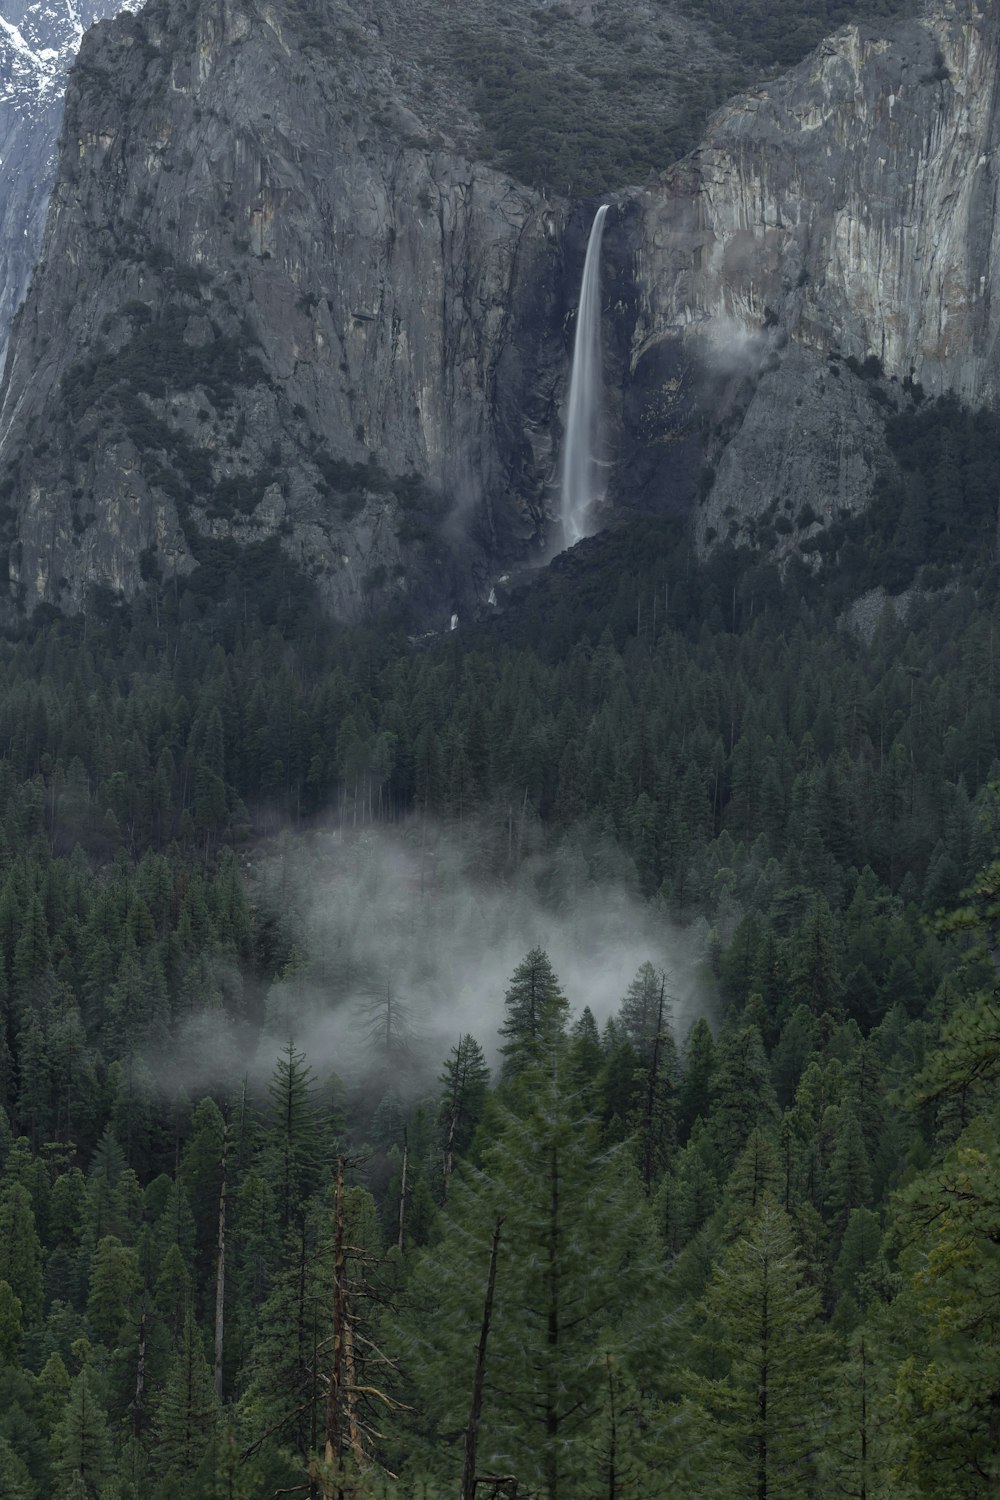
{"type": "Point", "coordinates": [470, 1481]}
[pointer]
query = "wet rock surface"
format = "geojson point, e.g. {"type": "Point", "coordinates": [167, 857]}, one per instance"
{"type": "Point", "coordinates": [281, 301]}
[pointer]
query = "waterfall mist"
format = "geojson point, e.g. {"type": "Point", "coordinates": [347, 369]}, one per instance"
{"type": "Point", "coordinates": [414, 911]}
{"type": "Point", "coordinates": [582, 483]}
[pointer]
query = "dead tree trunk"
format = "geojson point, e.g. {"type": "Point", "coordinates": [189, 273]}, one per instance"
{"type": "Point", "coordinates": [612, 1435]}
{"type": "Point", "coordinates": [479, 1378]}
{"type": "Point", "coordinates": [334, 1443]}
{"type": "Point", "coordinates": [139, 1400]}
{"type": "Point", "coordinates": [652, 1090]}
{"type": "Point", "coordinates": [220, 1268]}
{"type": "Point", "coordinates": [402, 1193]}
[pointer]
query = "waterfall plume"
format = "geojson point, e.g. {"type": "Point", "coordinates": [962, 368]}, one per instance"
{"type": "Point", "coordinates": [582, 484]}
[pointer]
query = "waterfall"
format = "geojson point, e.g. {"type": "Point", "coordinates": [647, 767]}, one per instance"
{"type": "Point", "coordinates": [581, 481]}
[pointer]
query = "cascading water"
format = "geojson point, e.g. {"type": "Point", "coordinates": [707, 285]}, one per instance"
{"type": "Point", "coordinates": [582, 484]}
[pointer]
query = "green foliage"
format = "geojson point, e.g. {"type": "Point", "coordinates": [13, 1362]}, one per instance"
{"type": "Point", "coordinates": [588, 104]}
{"type": "Point", "coordinates": [936, 510]}
{"type": "Point", "coordinates": [11, 1331]}
{"type": "Point", "coordinates": [779, 34]}
{"type": "Point", "coordinates": [763, 1413]}
{"type": "Point", "coordinates": [20, 1250]}
{"type": "Point", "coordinates": [15, 1480]}
{"type": "Point", "coordinates": [799, 802]}
{"type": "Point", "coordinates": [535, 1013]}
{"type": "Point", "coordinates": [948, 1322]}
{"type": "Point", "coordinates": [81, 1442]}
{"type": "Point", "coordinates": [576, 1265]}
{"type": "Point", "coordinates": [294, 1146]}
{"type": "Point", "coordinates": [187, 1413]}
{"type": "Point", "coordinates": [546, 125]}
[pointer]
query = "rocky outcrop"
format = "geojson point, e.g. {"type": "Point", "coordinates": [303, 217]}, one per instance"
{"type": "Point", "coordinates": [850, 208]}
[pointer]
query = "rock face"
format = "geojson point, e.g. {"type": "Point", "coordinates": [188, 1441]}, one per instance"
{"type": "Point", "coordinates": [38, 42]}
{"type": "Point", "coordinates": [282, 300]}
{"type": "Point", "coordinates": [265, 312]}
{"type": "Point", "coordinates": [857, 198]}
{"type": "Point", "coordinates": [850, 207]}
{"type": "Point", "coordinates": [283, 297]}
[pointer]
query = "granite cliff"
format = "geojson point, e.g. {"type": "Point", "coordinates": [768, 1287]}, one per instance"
{"type": "Point", "coordinates": [286, 299]}
{"type": "Point", "coordinates": [837, 224]}
{"type": "Point", "coordinates": [38, 42]}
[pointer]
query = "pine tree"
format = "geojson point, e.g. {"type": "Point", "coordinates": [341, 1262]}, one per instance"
{"type": "Point", "coordinates": [767, 1410]}
{"type": "Point", "coordinates": [644, 1016]}
{"type": "Point", "coordinates": [81, 1443]}
{"type": "Point", "coordinates": [946, 1320]}
{"type": "Point", "coordinates": [755, 1178]}
{"type": "Point", "coordinates": [20, 1250]}
{"type": "Point", "coordinates": [586, 1054]}
{"type": "Point", "coordinates": [200, 1175]}
{"type": "Point", "coordinates": [855, 1456]}
{"type": "Point", "coordinates": [16, 1482]}
{"type": "Point", "coordinates": [294, 1147]}
{"type": "Point", "coordinates": [859, 1253]}
{"type": "Point", "coordinates": [645, 1008]}
{"type": "Point", "coordinates": [285, 1393]}
{"type": "Point", "coordinates": [697, 1085]}
{"type": "Point", "coordinates": [11, 1332]}
{"type": "Point", "coordinates": [535, 1014]}
{"type": "Point", "coordinates": [692, 1191]}
{"type": "Point", "coordinates": [743, 1091]}
{"type": "Point", "coordinates": [114, 1287]}
{"type": "Point", "coordinates": [576, 1276]}
{"type": "Point", "coordinates": [173, 1291]}
{"type": "Point", "coordinates": [53, 1388]}
{"type": "Point", "coordinates": [815, 977]}
{"type": "Point", "coordinates": [187, 1414]}
{"type": "Point", "coordinates": [464, 1081]}
{"type": "Point", "coordinates": [850, 1177]}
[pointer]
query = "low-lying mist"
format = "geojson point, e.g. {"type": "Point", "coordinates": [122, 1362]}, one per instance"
{"type": "Point", "coordinates": [401, 944]}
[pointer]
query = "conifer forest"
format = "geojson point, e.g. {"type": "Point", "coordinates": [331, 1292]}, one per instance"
{"type": "Point", "coordinates": [730, 1227]}
{"type": "Point", "coordinates": [500, 970]}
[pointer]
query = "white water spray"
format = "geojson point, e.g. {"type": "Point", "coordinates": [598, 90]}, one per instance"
{"type": "Point", "coordinates": [582, 484]}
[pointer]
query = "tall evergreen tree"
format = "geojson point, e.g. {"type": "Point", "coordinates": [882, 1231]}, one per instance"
{"type": "Point", "coordinates": [81, 1442]}
{"type": "Point", "coordinates": [187, 1413]}
{"type": "Point", "coordinates": [20, 1248]}
{"type": "Point", "coordinates": [947, 1322]}
{"type": "Point", "coordinates": [294, 1145]}
{"type": "Point", "coordinates": [16, 1482]}
{"type": "Point", "coordinates": [766, 1411]}
{"type": "Point", "coordinates": [535, 1014]}
{"type": "Point", "coordinates": [576, 1273]}
{"type": "Point", "coordinates": [697, 1084]}
{"type": "Point", "coordinates": [464, 1085]}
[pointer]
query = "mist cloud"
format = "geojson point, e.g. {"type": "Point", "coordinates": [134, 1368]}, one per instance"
{"type": "Point", "coordinates": [408, 914]}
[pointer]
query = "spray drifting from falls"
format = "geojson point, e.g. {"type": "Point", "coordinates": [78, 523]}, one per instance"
{"type": "Point", "coordinates": [581, 481]}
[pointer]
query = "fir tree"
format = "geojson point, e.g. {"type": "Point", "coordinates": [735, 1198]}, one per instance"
{"type": "Point", "coordinates": [16, 1482]}
{"type": "Point", "coordinates": [535, 1013]}
{"type": "Point", "coordinates": [767, 1408]}
{"type": "Point", "coordinates": [11, 1331]}
{"type": "Point", "coordinates": [187, 1413]}
{"type": "Point", "coordinates": [464, 1085]}
{"type": "Point", "coordinates": [576, 1270]}
{"type": "Point", "coordinates": [294, 1147]}
{"type": "Point", "coordinates": [697, 1085]}
{"type": "Point", "coordinates": [20, 1249]}
{"type": "Point", "coordinates": [81, 1443]}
